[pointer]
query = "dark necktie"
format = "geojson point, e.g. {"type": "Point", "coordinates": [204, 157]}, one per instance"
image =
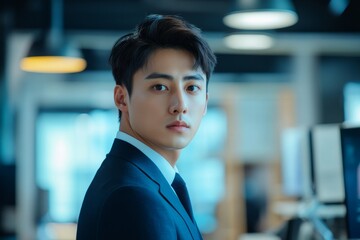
{"type": "Point", "coordinates": [180, 188]}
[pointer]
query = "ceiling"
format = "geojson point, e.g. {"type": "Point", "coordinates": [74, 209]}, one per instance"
{"type": "Point", "coordinates": [315, 16]}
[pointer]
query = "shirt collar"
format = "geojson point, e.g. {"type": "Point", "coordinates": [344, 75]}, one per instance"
{"type": "Point", "coordinates": [164, 166]}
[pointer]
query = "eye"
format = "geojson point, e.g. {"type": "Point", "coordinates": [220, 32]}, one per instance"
{"type": "Point", "coordinates": [159, 87]}
{"type": "Point", "coordinates": [193, 88]}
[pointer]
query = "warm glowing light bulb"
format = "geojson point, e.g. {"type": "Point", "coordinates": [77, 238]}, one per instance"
{"type": "Point", "coordinates": [53, 64]}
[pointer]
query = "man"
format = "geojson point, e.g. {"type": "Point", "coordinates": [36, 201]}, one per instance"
{"type": "Point", "coordinates": [161, 71]}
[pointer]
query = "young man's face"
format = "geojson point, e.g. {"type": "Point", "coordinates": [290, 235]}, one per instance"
{"type": "Point", "coordinates": [167, 102]}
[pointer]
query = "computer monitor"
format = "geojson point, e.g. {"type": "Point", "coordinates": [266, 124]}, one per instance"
{"type": "Point", "coordinates": [350, 145]}
{"type": "Point", "coordinates": [296, 163]}
{"type": "Point", "coordinates": [327, 164]}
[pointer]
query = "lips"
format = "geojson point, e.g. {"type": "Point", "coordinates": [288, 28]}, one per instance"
{"type": "Point", "coordinates": [178, 126]}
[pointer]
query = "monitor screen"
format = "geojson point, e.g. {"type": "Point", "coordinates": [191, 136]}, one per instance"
{"type": "Point", "coordinates": [296, 163]}
{"type": "Point", "coordinates": [327, 163]}
{"type": "Point", "coordinates": [350, 142]}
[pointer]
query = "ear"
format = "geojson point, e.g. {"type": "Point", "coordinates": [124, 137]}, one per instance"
{"type": "Point", "coordinates": [206, 103]}
{"type": "Point", "coordinates": [120, 97]}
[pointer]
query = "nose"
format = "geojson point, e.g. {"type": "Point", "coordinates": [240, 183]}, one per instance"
{"type": "Point", "coordinates": [178, 103]}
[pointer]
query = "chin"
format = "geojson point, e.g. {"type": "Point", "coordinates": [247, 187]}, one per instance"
{"type": "Point", "coordinates": [182, 145]}
{"type": "Point", "coordinates": [178, 145]}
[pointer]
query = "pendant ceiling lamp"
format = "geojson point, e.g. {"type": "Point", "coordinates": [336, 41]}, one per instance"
{"type": "Point", "coordinates": [249, 41]}
{"type": "Point", "coordinates": [261, 14]}
{"type": "Point", "coordinates": [51, 52]}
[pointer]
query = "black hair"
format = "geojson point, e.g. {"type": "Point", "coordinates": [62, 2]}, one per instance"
{"type": "Point", "coordinates": [132, 51]}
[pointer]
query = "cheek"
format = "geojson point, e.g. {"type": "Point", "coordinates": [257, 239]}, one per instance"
{"type": "Point", "coordinates": [199, 110]}
{"type": "Point", "coordinates": [145, 108]}
{"type": "Point", "coordinates": [201, 105]}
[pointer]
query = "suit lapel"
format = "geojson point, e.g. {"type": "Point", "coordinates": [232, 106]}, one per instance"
{"type": "Point", "coordinates": [127, 151]}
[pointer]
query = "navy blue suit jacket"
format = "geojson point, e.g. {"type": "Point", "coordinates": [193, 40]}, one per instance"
{"type": "Point", "coordinates": [129, 198]}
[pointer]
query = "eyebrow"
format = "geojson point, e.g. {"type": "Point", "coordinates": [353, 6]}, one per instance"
{"type": "Point", "coordinates": [196, 76]}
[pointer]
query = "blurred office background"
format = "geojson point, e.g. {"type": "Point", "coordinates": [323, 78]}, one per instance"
{"type": "Point", "coordinates": [248, 169]}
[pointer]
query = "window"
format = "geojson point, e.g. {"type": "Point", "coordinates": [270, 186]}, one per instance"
{"type": "Point", "coordinates": [70, 146]}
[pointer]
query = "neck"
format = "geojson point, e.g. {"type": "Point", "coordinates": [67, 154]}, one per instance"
{"type": "Point", "coordinates": [171, 156]}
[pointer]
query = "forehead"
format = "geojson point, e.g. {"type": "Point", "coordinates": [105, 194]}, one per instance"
{"type": "Point", "coordinates": [169, 58]}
